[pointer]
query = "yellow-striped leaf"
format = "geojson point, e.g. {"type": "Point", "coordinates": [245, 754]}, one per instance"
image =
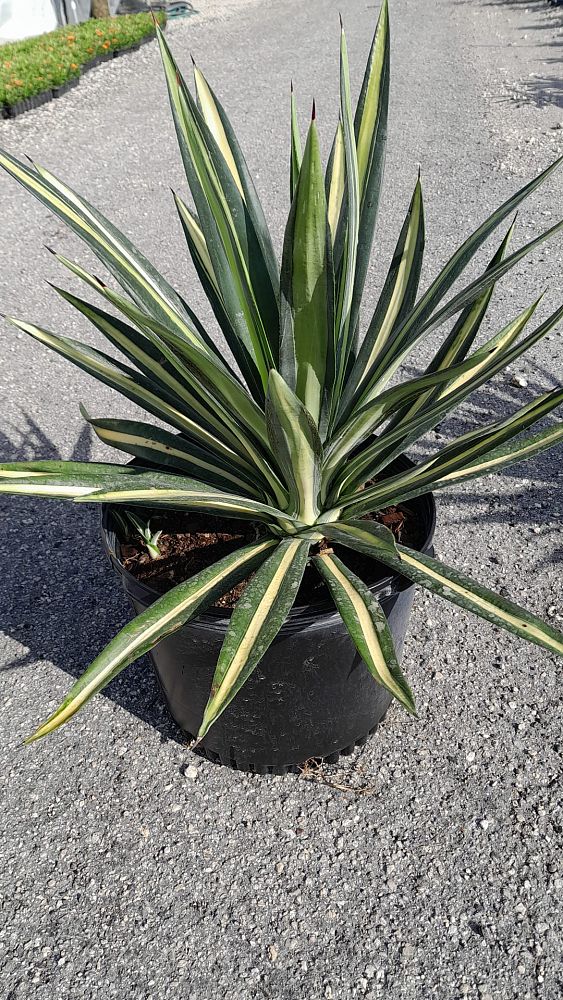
{"type": "Point", "coordinates": [295, 441]}
{"type": "Point", "coordinates": [434, 474]}
{"type": "Point", "coordinates": [368, 627]}
{"type": "Point", "coordinates": [370, 125]}
{"type": "Point", "coordinates": [168, 372]}
{"type": "Point", "coordinates": [213, 110]}
{"type": "Point", "coordinates": [458, 342]}
{"type": "Point", "coordinates": [208, 387]}
{"type": "Point", "coordinates": [76, 481]}
{"type": "Point", "coordinates": [448, 583]}
{"type": "Point", "coordinates": [397, 297]}
{"type": "Point", "coordinates": [255, 622]}
{"type": "Point", "coordinates": [363, 422]}
{"type": "Point", "coordinates": [306, 306]}
{"type": "Point", "coordinates": [488, 361]}
{"type": "Point", "coordinates": [424, 319]}
{"type": "Point", "coordinates": [211, 115]}
{"type": "Point", "coordinates": [237, 260]}
{"type": "Point", "coordinates": [165, 616]}
{"type": "Point", "coordinates": [347, 272]}
{"type": "Point", "coordinates": [336, 181]}
{"type": "Point", "coordinates": [133, 386]}
{"type": "Point", "coordinates": [296, 154]}
{"type": "Point", "coordinates": [131, 269]}
{"type": "Point", "coordinates": [162, 448]}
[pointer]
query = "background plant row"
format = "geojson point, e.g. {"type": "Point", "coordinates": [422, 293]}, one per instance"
{"type": "Point", "coordinates": [39, 64]}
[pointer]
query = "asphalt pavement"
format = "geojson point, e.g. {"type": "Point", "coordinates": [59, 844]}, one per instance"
{"type": "Point", "coordinates": [427, 864]}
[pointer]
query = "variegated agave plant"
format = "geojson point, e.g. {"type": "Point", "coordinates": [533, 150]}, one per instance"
{"type": "Point", "coordinates": [301, 436]}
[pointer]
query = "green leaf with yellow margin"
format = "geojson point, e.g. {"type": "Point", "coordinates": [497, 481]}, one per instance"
{"type": "Point", "coordinates": [256, 620]}
{"type": "Point", "coordinates": [368, 627]}
{"type": "Point", "coordinates": [165, 616]}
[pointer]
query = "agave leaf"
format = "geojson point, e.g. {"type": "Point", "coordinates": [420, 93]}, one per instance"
{"type": "Point", "coordinates": [176, 334]}
{"type": "Point", "coordinates": [490, 359]}
{"type": "Point", "coordinates": [469, 459]}
{"type": "Point", "coordinates": [219, 395]}
{"type": "Point", "coordinates": [65, 480]}
{"type": "Point", "coordinates": [46, 467]}
{"type": "Point", "coordinates": [130, 268]}
{"type": "Point", "coordinates": [458, 342]}
{"type": "Point", "coordinates": [255, 622]}
{"type": "Point", "coordinates": [371, 137]}
{"type": "Point", "coordinates": [132, 385]}
{"type": "Point", "coordinates": [196, 243]}
{"type": "Point", "coordinates": [366, 622]}
{"type": "Point", "coordinates": [347, 273]}
{"type": "Point", "coordinates": [420, 323]}
{"type": "Point", "coordinates": [167, 614]}
{"type": "Point", "coordinates": [162, 448]}
{"type": "Point", "coordinates": [397, 297]}
{"type": "Point", "coordinates": [296, 152]}
{"type": "Point", "coordinates": [129, 341]}
{"type": "Point", "coordinates": [368, 418]}
{"type": "Point", "coordinates": [208, 107]}
{"type": "Point", "coordinates": [75, 481]}
{"type": "Point", "coordinates": [212, 108]}
{"type": "Point", "coordinates": [197, 496]}
{"type": "Point", "coordinates": [204, 268]}
{"type": "Point", "coordinates": [295, 441]}
{"type": "Point", "coordinates": [248, 215]}
{"type": "Point", "coordinates": [306, 306]}
{"type": "Point", "coordinates": [174, 377]}
{"type": "Point", "coordinates": [335, 182]}
{"type": "Point", "coordinates": [226, 226]}
{"type": "Point", "coordinates": [226, 401]}
{"type": "Point", "coordinates": [448, 583]}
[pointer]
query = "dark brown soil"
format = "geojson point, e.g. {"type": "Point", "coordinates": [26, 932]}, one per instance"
{"type": "Point", "coordinates": [187, 545]}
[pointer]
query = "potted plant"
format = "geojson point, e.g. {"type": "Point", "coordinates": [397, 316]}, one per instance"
{"type": "Point", "coordinates": [283, 481]}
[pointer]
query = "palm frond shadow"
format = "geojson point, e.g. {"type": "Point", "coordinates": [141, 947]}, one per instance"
{"type": "Point", "coordinates": [538, 90]}
{"type": "Point", "coordinates": [62, 601]}
{"type": "Point", "coordinates": [545, 6]}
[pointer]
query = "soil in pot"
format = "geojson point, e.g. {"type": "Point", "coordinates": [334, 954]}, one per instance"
{"type": "Point", "coordinates": [311, 695]}
{"type": "Point", "coordinates": [191, 542]}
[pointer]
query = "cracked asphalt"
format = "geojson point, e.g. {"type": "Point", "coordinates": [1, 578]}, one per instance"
{"type": "Point", "coordinates": [427, 864]}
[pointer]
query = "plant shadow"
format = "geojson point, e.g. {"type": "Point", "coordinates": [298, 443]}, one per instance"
{"type": "Point", "coordinates": [540, 89]}
{"type": "Point", "coordinates": [62, 600]}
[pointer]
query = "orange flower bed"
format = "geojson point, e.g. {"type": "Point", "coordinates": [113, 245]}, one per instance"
{"type": "Point", "coordinates": [34, 65]}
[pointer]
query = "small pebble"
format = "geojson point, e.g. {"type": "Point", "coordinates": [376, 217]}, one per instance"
{"type": "Point", "coordinates": [519, 381]}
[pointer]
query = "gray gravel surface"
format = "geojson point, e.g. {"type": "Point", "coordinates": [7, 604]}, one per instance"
{"type": "Point", "coordinates": [427, 863]}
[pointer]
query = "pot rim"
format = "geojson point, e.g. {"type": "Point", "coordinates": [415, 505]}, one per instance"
{"type": "Point", "coordinates": [391, 583]}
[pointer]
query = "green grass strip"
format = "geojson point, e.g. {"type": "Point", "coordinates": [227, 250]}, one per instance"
{"type": "Point", "coordinates": [33, 65]}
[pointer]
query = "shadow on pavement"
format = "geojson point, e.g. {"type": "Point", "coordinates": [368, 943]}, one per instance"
{"type": "Point", "coordinates": [65, 606]}
{"type": "Point", "coordinates": [543, 88]}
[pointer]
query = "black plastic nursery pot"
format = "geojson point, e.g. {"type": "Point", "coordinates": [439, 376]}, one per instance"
{"type": "Point", "coordinates": [311, 696]}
